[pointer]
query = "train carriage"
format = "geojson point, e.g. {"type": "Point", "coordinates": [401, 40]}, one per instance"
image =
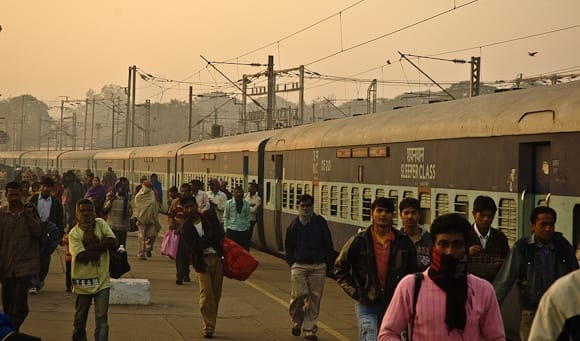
{"type": "Point", "coordinates": [160, 159]}
{"type": "Point", "coordinates": [78, 160]}
{"type": "Point", "coordinates": [117, 159]}
{"type": "Point", "coordinates": [44, 159]}
{"type": "Point", "coordinates": [11, 158]}
{"type": "Point", "coordinates": [236, 159]}
{"type": "Point", "coordinates": [516, 147]}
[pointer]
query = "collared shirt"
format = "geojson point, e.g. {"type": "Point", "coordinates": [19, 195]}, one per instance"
{"type": "Point", "coordinates": [382, 254]}
{"type": "Point", "coordinates": [482, 239]}
{"type": "Point", "coordinates": [43, 207]}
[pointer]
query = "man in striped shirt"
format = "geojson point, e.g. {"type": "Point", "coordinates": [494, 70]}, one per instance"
{"type": "Point", "coordinates": [450, 304]}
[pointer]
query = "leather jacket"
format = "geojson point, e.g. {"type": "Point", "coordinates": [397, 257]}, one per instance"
{"type": "Point", "coordinates": [523, 266]}
{"type": "Point", "coordinates": [356, 269]}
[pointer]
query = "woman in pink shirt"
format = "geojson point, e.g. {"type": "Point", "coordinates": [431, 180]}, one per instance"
{"type": "Point", "coordinates": [450, 303]}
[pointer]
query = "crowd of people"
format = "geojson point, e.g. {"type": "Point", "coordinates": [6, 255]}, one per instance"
{"type": "Point", "coordinates": [408, 284]}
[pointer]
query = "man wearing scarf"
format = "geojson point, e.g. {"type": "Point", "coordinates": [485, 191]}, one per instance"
{"type": "Point", "coordinates": [451, 304]}
{"type": "Point", "coordinates": [146, 210]}
{"type": "Point", "coordinates": [89, 243]}
{"type": "Point", "coordinates": [237, 219]}
{"type": "Point", "coordinates": [117, 207]}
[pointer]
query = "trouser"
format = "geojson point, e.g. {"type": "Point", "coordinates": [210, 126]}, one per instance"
{"type": "Point", "coordinates": [15, 299]}
{"type": "Point", "coordinates": [67, 276]}
{"type": "Point", "coordinates": [146, 235]}
{"type": "Point", "coordinates": [369, 318]}
{"type": "Point", "coordinates": [307, 284]}
{"type": "Point", "coordinates": [37, 280]}
{"type": "Point", "coordinates": [242, 238]}
{"type": "Point", "coordinates": [526, 323]}
{"type": "Point", "coordinates": [210, 290]}
{"type": "Point", "coordinates": [182, 261]}
{"type": "Point", "coordinates": [83, 304]}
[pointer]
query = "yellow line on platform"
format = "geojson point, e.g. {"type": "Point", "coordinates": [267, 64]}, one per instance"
{"type": "Point", "coordinates": [283, 303]}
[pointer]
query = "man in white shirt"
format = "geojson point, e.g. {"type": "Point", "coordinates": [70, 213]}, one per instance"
{"type": "Point", "coordinates": [217, 200]}
{"type": "Point", "coordinates": [255, 202]}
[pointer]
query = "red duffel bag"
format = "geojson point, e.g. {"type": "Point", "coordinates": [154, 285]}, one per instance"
{"type": "Point", "coordinates": [238, 263]}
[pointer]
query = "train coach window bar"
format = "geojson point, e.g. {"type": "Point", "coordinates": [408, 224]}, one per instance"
{"type": "Point", "coordinates": [344, 202]}
{"type": "Point", "coordinates": [380, 193]}
{"type": "Point", "coordinates": [441, 204]}
{"type": "Point", "coordinates": [298, 194]}
{"type": "Point", "coordinates": [394, 196]}
{"type": "Point", "coordinates": [462, 205]}
{"type": "Point", "coordinates": [324, 200]}
{"type": "Point", "coordinates": [366, 204]}
{"type": "Point", "coordinates": [355, 204]}
{"type": "Point", "coordinates": [507, 219]}
{"type": "Point", "coordinates": [425, 204]}
{"type": "Point", "coordinates": [291, 199]}
{"type": "Point", "coordinates": [285, 195]}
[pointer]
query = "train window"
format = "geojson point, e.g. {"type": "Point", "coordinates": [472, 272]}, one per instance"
{"type": "Point", "coordinates": [344, 202]}
{"type": "Point", "coordinates": [333, 201]}
{"type": "Point", "coordinates": [425, 203]}
{"type": "Point", "coordinates": [366, 204]}
{"type": "Point", "coordinates": [355, 204]}
{"type": "Point", "coordinates": [285, 195]}
{"type": "Point", "coordinates": [268, 192]}
{"type": "Point", "coordinates": [407, 194]}
{"type": "Point", "coordinates": [507, 219]}
{"type": "Point", "coordinates": [324, 200]}
{"type": "Point", "coordinates": [462, 205]}
{"type": "Point", "coordinates": [315, 194]}
{"type": "Point", "coordinates": [394, 195]}
{"type": "Point", "coordinates": [380, 193]}
{"type": "Point", "coordinates": [441, 204]}
{"type": "Point", "coordinates": [298, 194]}
{"type": "Point", "coordinates": [307, 189]}
{"type": "Point", "coordinates": [291, 198]}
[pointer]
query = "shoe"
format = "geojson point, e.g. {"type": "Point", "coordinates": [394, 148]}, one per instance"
{"type": "Point", "coordinates": [296, 331]}
{"type": "Point", "coordinates": [141, 257]}
{"type": "Point", "coordinates": [148, 254]}
{"type": "Point", "coordinates": [178, 282]}
{"type": "Point", "coordinates": [33, 291]}
{"type": "Point", "coordinates": [186, 279]}
{"type": "Point", "coordinates": [208, 335]}
{"type": "Point", "coordinates": [311, 337]}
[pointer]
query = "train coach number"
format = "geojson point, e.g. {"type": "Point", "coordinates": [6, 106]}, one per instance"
{"type": "Point", "coordinates": [325, 166]}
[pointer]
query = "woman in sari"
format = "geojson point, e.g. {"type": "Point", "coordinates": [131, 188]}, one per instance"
{"type": "Point", "coordinates": [97, 193]}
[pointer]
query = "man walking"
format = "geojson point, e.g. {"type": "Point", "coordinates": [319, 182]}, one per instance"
{"type": "Point", "coordinates": [20, 233]}
{"type": "Point", "coordinates": [535, 262]}
{"type": "Point", "coordinates": [308, 246]}
{"type": "Point", "coordinates": [410, 213]}
{"type": "Point", "coordinates": [51, 213]}
{"type": "Point", "coordinates": [444, 302]}
{"type": "Point", "coordinates": [370, 265]}
{"type": "Point", "coordinates": [89, 243]}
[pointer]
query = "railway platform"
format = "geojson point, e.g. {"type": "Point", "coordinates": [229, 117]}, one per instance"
{"type": "Point", "coordinates": [256, 309]}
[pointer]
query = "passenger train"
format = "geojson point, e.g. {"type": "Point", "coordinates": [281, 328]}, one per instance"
{"type": "Point", "coordinates": [519, 147]}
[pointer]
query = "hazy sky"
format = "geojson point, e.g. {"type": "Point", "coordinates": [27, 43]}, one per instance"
{"type": "Point", "coordinates": [65, 47]}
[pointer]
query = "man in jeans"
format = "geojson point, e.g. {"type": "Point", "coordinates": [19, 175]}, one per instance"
{"type": "Point", "coordinates": [89, 243]}
{"type": "Point", "coordinates": [308, 246]}
{"type": "Point", "coordinates": [370, 265]}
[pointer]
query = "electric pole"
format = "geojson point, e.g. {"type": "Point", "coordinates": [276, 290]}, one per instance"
{"type": "Point", "coordinates": [271, 92]}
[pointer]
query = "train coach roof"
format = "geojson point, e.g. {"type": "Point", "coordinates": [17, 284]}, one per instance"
{"type": "Point", "coordinates": [78, 155]}
{"type": "Point", "coordinates": [11, 154]}
{"type": "Point", "coordinates": [41, 155]}
{"type": "Point", "coordinates": [113, 154]}
{"type": "Point", "coordinates": [234, 143]}
{"type": "Point", "coordinates": [162, 150]}
{"type": "Point", "coordinates": [545, 109]}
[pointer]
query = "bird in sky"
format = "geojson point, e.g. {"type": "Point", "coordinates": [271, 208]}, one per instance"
{"type": "Point", "coordinates": [533, 53]}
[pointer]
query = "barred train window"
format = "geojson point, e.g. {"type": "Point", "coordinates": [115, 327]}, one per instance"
{"type": "Point", "coordinates": [324, 200]}
{"type": "Point", "coordinates": [441, 204]}
{"type": "Point", "coordinates": [307, 189]}
{"type": "Point", "coordinates": [344, 202]}
{"type": "Point", "coordinates": [462, 205]}
{"type": "Point", "coordinates": [285, 195]}
{"type": "Point", "coordinates": [298, 194]}
{"type": "Point", "coordinates": [425, 204]}
{"type": "Point", "coordinates": [366, 204]}
{"type": "Point", "coordinates": [407, 194]}
{"type": "Point", "coordinates": [380, 193]}
{"type": "Point", "coordinates": [333, 201]}
{"type": "Point", "coordinates": [291, 199]}
{"type": "Point", "coordinates": [394, 195]}
{"type": "Point", "coordinates": [507, 219]}
{"type": "Point", "coordinates": [355, 204]}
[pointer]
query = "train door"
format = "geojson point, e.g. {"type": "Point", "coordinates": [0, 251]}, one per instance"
{"type": "Point", "coordinates": [576, 230]}
{"type": "Point", "coordinates": [279, 174]}
{"type": "Point", "coordinates": [534, 178]}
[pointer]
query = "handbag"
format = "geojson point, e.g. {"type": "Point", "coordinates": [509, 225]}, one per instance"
{"type": "Point", "coordinates": [238, 263]}
{"type": "Point", "coordinates": [118, 263]}
{"type": "Point", "coordinates": [170, 244]}
{"type": "Point", "coordinates": [133, 225]}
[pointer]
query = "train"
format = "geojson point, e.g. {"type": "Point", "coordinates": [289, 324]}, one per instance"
{"type": "Point", "coordinates": [519, 147]}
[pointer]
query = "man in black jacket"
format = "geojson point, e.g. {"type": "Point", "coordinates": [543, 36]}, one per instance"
{"type": "Point", "coordinates": [371, 264]}
{"type": "Point", "coordinates": [50, 210]}
{"type": "Point", "coordinates": [535, 262]}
